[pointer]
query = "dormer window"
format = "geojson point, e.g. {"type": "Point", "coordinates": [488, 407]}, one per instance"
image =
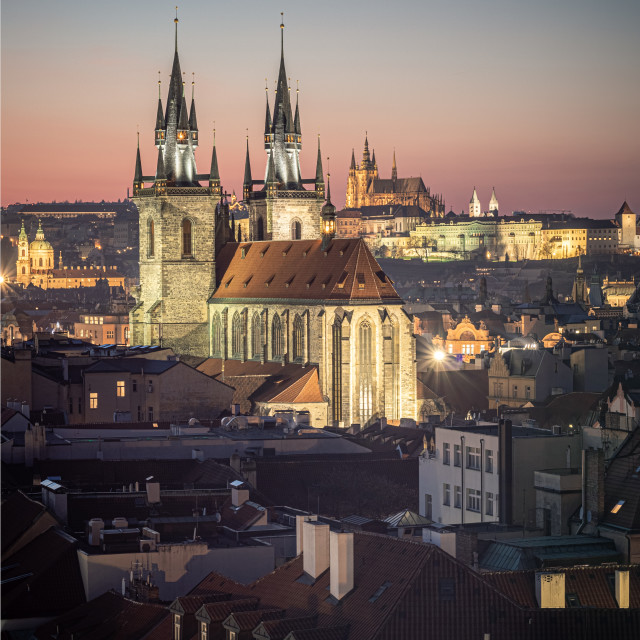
{"type": "Point", "coordinates": [204, 631]}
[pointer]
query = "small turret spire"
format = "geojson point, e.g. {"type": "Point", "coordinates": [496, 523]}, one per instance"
{"type": "Point", "coordinates": [296, 119]}
{"type": "Point", "coordinates": [328, 217]}
{"type": "Point", "coordinates": [214, 173]}
{"type": "Point", "coordinates": [353, 160]}
{"type": "Point", "coordinates": [137, 176]}
{"type": "Point", "coordinates": [248, 182]}
{"type": "Point", "coordinates": [160, 172]}
{"type": "Point", "coordinates": [394, 168]}
{"type": "Point", "coordinates": [319, 172]}
{"type": "Point", "coordinates": [267, 119]}
{"type": "Point", "coordinates": [176, 23]}
{"type": "Point", "coordinates": [23, 233]}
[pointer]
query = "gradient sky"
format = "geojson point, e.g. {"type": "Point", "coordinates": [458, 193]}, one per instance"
{"type": "Point", "coordinates": [540, 99]}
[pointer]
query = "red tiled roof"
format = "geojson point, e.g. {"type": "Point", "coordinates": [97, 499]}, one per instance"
{"type": "Point", "coordinates": [107, 617]}
{"type": "Point", "coordinates": [278, 629]}
{"type": "Point", "coordinates": [219, 611]}
{"type": "Point", "coordinates": [300, 269]}
{"type": "Point", "coordinates": [324, 633]}
{"type": "Point", "coordinates": [249, 620]}
{"type": "Point", "coordinates": [304, 389]}
{"type": "Point", "coordinates": [240, 518]}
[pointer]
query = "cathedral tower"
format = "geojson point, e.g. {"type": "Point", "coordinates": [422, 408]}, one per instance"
{"type": "Point", "coordinates": [475, 209]}
{"type": "Point", "coordinates": [283, 209]}
{"type": "Point", "coordinates": [178, 218]}
{"type": "Point", "coordinates": [493, 203]}
{"type": "Point", "coordinates": [23, 271]}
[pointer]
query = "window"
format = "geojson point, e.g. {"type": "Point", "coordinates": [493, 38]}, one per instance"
{"type": "Point", "coordinates": [515, 390]}
{"type": "Point", "coordinates": [256, 336]}
{"type": "Point", "coordinates": [150, 238]}
{"type": "Point", "coordinates": [457, 497]}
{"type": "Point", "coordinates": [336, 371]}
{"type": "Point", "coordinates": [428, 506]}
{"type": "Point", "coordinates": [187, 238]}
{"type": "Point", "coordinates": [457, 456]}
{"type": "Point", "coordinates": [216, 334]}
{"type": "Point", "coordinates": [260, 229]}
{"type": "Point", "coordinates": [236, 335]}
{"type": "Point", "coordinates": [296, 230]}
{"type": "Point", "coordinates": [140, 418]}
{"type": "Point", "coordinates": [120, 389]}
{"type": "Point", "coordinates": [364, 373]}
{"type": "Point", "coordinates": [176, 627]}
{"type": "Point", "coordinates": [488, 503]}
{"type": "Point", "coordinates": [527, 393]}
{"type": "Point", "coordinates": [395, 370]}
{"type": "Point", "coordinates": [446, 453]}
{"type": "Point", "coordinates": [473, 458]}
{"type": "Point", "coordinates": [134, 385]}
{"type": "Point", "coordinates": [150, 386]}
{"type": "Point", "coordinates": [298, 338]}
{"type": "Point", "coordinates": [150, 413]}
{"type": "Point", "coordinates": [474, 499]}
{"type": "Point", "coordinates": [203, 631]}
{"type": "Point", "coordinates": [488, 461]}
{"type": "Point", "coordinates": [277, 339]}
{"type": "Point", "coordinates": [110, 335]}
{"type": "Point", "coordinates": [446, 494]}
{"type": "Point", "coordinates": [93, 401]}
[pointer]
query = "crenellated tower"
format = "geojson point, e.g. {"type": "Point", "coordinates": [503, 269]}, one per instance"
{"type": "Point", "coordinates": [178, 217]}
{"type": "Point", "coordinates": [280, 207]}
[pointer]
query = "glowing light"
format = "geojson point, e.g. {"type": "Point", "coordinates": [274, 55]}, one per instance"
{"type": "Point", "coordinates": [439, 355]}
{"type": "Point", "coordinates": [1, 279]}
{"type": "Point", "coordinates": [618, 506]}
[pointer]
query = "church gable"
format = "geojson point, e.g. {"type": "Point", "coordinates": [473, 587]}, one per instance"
{"type": "Point", "coordinates": [302, 270]}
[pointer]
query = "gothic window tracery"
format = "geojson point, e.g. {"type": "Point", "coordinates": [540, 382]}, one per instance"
{"type": "Point", "coordinates": [187, 238]}
{"type": "Point", "coordinates": [298, 338]}
{"type": "Point", "coordinates": [395, 370]}
{"type": "Point", "coordinates": [277, 338]}
{"type": "Point", "coordinates": [336, 372]}
{"type": "Point", "coordinates": [256, 336]}
{"type": "Point", "coordinates": [364, 371]}
{"type": "Point", "coordinates": [216, 334]}
{"type": "Point", "coordinates": [236, 336]}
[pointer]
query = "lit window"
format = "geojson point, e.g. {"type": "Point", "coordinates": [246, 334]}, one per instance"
{"type": "Point", "coordinates": [93, 401]}
{"type": "Point", "coordinates": [489, 503]}
{"type": "Point", "coordinates": [120, 389]}
{"type": "Point", "coordinates": [618, 506]}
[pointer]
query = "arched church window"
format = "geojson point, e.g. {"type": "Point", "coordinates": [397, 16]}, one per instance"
{"type": "Point", "coordinates": [150, 238]}
{"type": "Point", "coordinates": [298, 338]}
{"type": "Point", "coordinates": [40, 262]}
{"type": "Point", "coordinates": [236, 336]}
{"type": "Point", "coordinates": [260, 229]}
{"type": "Point", "coordinates": [277, 339]}
{"type": "Point", "coordinates": [467, 335]}
{"type": "Point", "coordinates": [216, 334]}
{"type": "Point", "coordinates": [364, 371]}
{"type": "Point", "coordinates": [395, 370]}
{"type": "Point", "coordinates": [256, 336]}
{"type": "Point", "coordinates": [336, 372]}
{"type": "Point", "coordinates": [187, 235]}
{"type": "Point", "coordinates": [296, 230]}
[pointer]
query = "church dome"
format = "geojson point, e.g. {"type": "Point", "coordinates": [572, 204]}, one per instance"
{"type": "Point", "coordinates": [40, 244]}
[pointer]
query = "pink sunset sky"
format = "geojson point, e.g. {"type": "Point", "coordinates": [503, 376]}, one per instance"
{"type": "Point", "coordinates": [539, 99]}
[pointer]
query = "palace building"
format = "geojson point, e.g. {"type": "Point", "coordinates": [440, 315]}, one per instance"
{"type": "Point", "coordinates": [365, 188]}
{"type": "Point", "coordinates": [291, 293]}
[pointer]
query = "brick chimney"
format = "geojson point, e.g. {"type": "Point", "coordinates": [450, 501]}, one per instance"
{"type": "Point", "coordinates": [341, 564]}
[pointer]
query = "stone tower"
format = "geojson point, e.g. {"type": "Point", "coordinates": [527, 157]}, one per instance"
{"type": "Point", "coordinates": [361, 176]}
{"type": "Point", "coordinates": [493, 203]}
{"type": "Point", "coordinates": [23, 272]}
{"type": "Point", "coordinates": [283, 209]}
{"type": "Point", "coordinates": [474, 205]}
{"type": "Point", "coordinates": [181, 227]}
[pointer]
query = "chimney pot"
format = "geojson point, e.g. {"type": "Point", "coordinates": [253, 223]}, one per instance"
{"type": "Point", "coordinates": [316, 548]}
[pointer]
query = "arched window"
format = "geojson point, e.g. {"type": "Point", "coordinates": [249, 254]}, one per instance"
{"type": "Point", "coordinates": [24, 270]}
{"type": "Point", "coordinates": [336, 372]}
{"type": "Point", "coordinates": [23, 253]}
{"type": "Point", "coordinates": [236, 336]}
{"type": "Point", "coordinates": [395, 370]}
{"type": "Point", "coordinates": [150, 238]}
{"type": "Point", "coordinates": [216, 334]}
{"type": "Point", "coordinates": [256, 336]}
{"type": "Point", "coordinates": [277, 341]}
{"type": "Point", "coordinates": [260, 229]}
{"type": "Point", "coordinates": [296, 230]}
{"type": "Point", "coordinates": [364, 371]}
{"type": "Point", "coordinates": [298, 338]}
{"type": "Point", "coordinates": [40, 262]}
{"type": "Point", "coordinates": [187, 238]}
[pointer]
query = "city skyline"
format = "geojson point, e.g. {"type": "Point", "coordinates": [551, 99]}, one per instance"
{"type": "Point", "coordinates": [539, 101]}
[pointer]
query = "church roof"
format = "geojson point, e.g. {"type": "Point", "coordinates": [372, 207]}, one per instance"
{"type": "Point", "coordinates": [401, 185]}
{"type": "Point", "coordinates": [625, 208]}
{"type": "Point", "coordinates": [283, 269]}
{"type": "Point", "coordinates": [306, 388]}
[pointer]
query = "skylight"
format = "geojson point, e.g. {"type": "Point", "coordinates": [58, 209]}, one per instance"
{"type": "Point", "coordinates": [618, 506]}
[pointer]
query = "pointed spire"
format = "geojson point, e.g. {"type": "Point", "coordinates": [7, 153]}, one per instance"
{"type": "Point", "coordinates": [214, 173]}
{"type": "Point", "coordinates": [160, 115]}
{"type": "Point", "coordinates": [176, 23]}
{"type": "Point", "coordinates": [40, 231]}
{"type": "Point", "coordinates": [296, 119]}
{"type": "Point", "coordinates": [282, 107]}
{"type": "Point", "coordinates": [319, 172]}
{"type": "Point", "coordinates": [328, 218]}
{"type": "Point", "coordinates": [183, 122]}
{"type": "Point", "coordinates": [352, 167]}
{"type": "Point", "coordinates": [23, 233]}
{"type": "Point", "coordinates": [267, 119]}
{"type": "Point", "coordinates": [366, 158]}
{"type": "Point", "coordinates": [137, 176]}
{"type": "Point", "coordinates": [394, 168]}
{"type": "Point", "coordinates": [193, 122]}
{"type": "Point", "coordinates": [373, 158]}
{"type": "Point", "coordinates": [247, 167]}
{"type": "Point", "coordinates": [160, 171]}
{"type": "Point", "coordinates": [271, 171]}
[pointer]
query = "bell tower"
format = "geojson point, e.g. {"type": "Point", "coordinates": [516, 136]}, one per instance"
{"type": "Point", "coordinates": [23, 271]}
{"type": "Point", "coordinates": [177, 229]}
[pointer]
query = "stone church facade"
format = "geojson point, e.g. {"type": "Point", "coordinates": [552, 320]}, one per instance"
{"type": "Point", "coordinates": [292, 294]}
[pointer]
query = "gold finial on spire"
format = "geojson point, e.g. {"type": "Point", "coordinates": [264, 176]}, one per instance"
{"type": "Point", "coordinates": [138, 134]}
{"type": "Point", "coordinates": [247, 130]}
{"type": "Point", "coordinates": [193, 84]}
{"type": "Point", "coordinates": [214, 133]}
{"type": "Point", "coordinates": [282, 33]}
{"type": "Point", "coordinates": [176, 23]}
{"type": "Point", "coordinates": [266, 85]}
{"type": "Point", "coordinates": [159, 84]}
{"type": "Point", "coordinates": [297, 86]}
{"type": "Point", "coordinates": [289, 79]}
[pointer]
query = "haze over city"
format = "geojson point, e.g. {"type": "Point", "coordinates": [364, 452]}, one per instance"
{"type": "Point", "coordinates": [539, 100]}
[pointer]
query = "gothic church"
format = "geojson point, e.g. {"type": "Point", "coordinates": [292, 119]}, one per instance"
{"type": "Point", "coordinates": [291, 294]}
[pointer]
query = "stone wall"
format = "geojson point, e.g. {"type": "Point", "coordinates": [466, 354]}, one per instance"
{"type": "Point", "coordinates": [280, 212]}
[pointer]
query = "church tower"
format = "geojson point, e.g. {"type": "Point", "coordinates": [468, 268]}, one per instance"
{"type": "Point", "coordinates": [493, 203]}
{"type": "Point", "coordinates": [177, 230]}
{"type": "Point", "coordinates": [474, 205]}
{"type": "Point", "coordinates": [283, 209]}
{"type": "Point", "coordinates": [23, 271]}
{"type": "Point", "coordinates": [360, 177]}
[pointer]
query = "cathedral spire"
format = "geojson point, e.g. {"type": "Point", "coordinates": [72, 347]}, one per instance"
{"type": "Point", "coordinates": [137, 176]}
{"type": "Point", "coordinates": [296, 119]}
{"type": "Point", "coordinates": [352, 167]}
{"type": "Point", "coordinates": [248, 182]}
{"type": "Point", "coordinates": [176, 23]}
{"type": "Point", "coordinates": [214, 174]}
{"type": "Point", "coordinates": [373, 158]}
{"type": "Point", "coordinates": [366, 158]}
{"type": "Point", "coordinates": [394, 168]}
{"type": "Point", "coordinates": [160, 171]}
{"type": "Point", "coordinates": [319, 173]}
{"type": "Point", "coordinates": [160, 123]}
{"type": "Point", "coordinates": [193, 122]}
{"type": "Point", "coordinates": [267, 119]}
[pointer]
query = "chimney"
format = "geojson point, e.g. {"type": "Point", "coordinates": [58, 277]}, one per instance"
{"type": "Point", "coordinates": [24, 408]}
{"type": "Point", "coordinates": [95, 526]}
{"type": "Point", "coordinates": [622, 588]}
{"type": "Point", "coordinates": [153, 492]}
{"type": "Point", "coordinates": [299, 521]}
{"type": "Point", "coordinates": [550, 590]}
{"type": "Point", "coordinates": [119, 523]}
{"type": "Point", "coordinates": [239, 493]}
{"type": "Point", "coordinates": [316, 548]}
{"type": "Point", "coordinates": [505, 471]}
{"type": "Point", "coordinates": [592, 486]}
{"type": "Point", "coordinates": [341, 564]}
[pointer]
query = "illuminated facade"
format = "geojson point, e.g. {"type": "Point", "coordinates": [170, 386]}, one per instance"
{"type": "Point", "coordinates": [366, 189]}
{"type": "Point", "coordinates": [465, 339]}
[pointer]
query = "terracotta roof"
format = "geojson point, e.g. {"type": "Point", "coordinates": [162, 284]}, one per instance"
{"type": "Point", "coordinates": [107, 617]}
{"type": "Point", "coordinates": [306, 388]}
{"type": "Point", "coordinates": [249, 620]}
{"type": "Point", "coordinates": [278, 629]}
{"type": "Point", "coordinates": [242, 517]}
{"type": "Point", "coordinates": [324, 633]}
{"type": "Point", "coordinates": [42, 578]}
{"type": "Point", "coordinates": [301, 270]}
{"type": "Point", "coordinates": [219, 611]}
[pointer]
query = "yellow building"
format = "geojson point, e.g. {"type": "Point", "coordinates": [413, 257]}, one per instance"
{"type": "Point", "coordinates": [465, 339]}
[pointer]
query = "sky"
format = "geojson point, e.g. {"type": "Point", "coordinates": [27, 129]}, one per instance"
{"type": "Point", "coordinates": [540, 100]}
